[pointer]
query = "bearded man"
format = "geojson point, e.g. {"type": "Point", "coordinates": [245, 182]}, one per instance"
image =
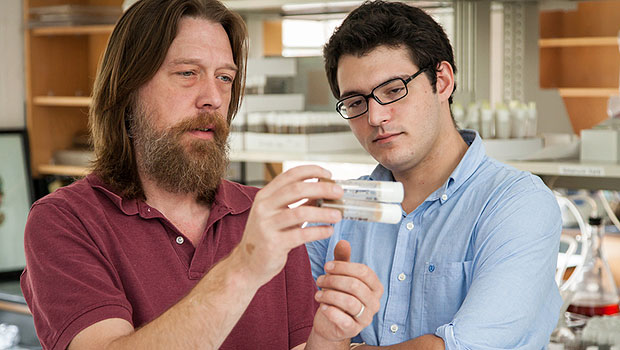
{"type": "Point", "coordinates": [153, 249]}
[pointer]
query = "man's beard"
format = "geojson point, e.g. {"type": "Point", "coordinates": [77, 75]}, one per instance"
{"type": "Point", "coordinates": [194, 166]}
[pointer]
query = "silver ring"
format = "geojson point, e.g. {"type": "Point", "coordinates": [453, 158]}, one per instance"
{"type": "Point", "coordinates": [359, 314]}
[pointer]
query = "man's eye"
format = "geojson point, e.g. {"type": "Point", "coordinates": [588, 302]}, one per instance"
{"type": "Point", "coordinates": [186, 74]}
{"type": "Point", "coordinates": [226, 78]}
{"type": "Point", "coordinates": [354, 103]}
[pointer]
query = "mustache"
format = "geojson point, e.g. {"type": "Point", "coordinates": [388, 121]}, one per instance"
{"type": "Point", "coordinates": [204, 120]}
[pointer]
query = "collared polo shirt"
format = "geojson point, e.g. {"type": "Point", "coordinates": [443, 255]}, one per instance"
{"type": "Point", "coordinates": [473, 264]}
{"type": "Point", "coordinates": [93, 255]}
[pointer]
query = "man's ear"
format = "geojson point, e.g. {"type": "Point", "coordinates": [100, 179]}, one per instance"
{"type": "Point", "coordinates": [445, 80]}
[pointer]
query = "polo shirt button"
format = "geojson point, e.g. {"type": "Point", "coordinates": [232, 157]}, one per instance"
{"type": "Point", "coordinates": [431, 268]}
{"type": "Point", "coordinates": [444, 196]}
{"type": "Point", "coordinates": [394, 328]}
{"type": "Point", "coordinates": [180, 240]}
{"type": "Point", "coordinates": [410, 226]}
{"type": "Point", "coordinates": [402, 277]}
{"type": "Point", "coordinates": [148, 209]}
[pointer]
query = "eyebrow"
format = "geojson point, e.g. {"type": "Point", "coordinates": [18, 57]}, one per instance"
{"type": "Point", "coordinates": [357, 92]}
{"type": "Point", "coordinates": [197, 62]}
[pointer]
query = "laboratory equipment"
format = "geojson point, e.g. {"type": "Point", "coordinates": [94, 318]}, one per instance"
{"type": "Point", "coordinates": [594, 291]}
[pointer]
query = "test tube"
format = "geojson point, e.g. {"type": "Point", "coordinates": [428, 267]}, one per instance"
{"type": "Point", "coordinates": [365, 211]}
{"type": "Point", "coordinates": [367, 190]}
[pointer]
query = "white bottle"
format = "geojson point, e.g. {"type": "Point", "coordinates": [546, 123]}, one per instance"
{"type": "Point", "coordinates": [518, 118]}
{"type": "Point", "coordinates": [502, 122]}
{"type": "Point", "coordinates": [487, 123]}
{"type": "Point", "coordinates": [532, 119]}
{"type": "Point", "coordinates": [365, 211]}
{"type": "Point", "coordinates": [367, 190]}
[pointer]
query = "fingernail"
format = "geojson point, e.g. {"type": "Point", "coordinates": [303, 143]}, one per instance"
{"type": "Point", "coordinates": [329, 266]}
{"type": "Point", "coordinates": [323, 307]}
{"type": "Point", "coordinates": [319, 294]}
{"type": "Point", "coordinates": [320, 279]}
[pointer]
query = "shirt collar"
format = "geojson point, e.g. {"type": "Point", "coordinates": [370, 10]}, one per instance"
{"type": "Point", "coordinates": [229, 198]}
{"type": "Point", "coordinates": [474, 156]}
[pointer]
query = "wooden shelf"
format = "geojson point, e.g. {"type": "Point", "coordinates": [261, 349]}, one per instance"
{"type": "Point", "coordinates": [64, 170]}
{"type": "Point", "coordinates": [588, 92]}
{"type": "Point", "coordinates": [73, 30]}
{"type": "Point", "coordinates": [62, 101]}
{"type": "Point", "coordinates": [584, 41]}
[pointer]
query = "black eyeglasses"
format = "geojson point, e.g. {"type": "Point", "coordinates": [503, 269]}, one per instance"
{"type": "Point", "coordinates": [388, 92]}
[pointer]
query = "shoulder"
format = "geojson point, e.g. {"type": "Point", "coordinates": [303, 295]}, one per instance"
{"type": "Point", "coordinates": [507, 179]}
{"type": "Point", "coordinates": [234, 187]}
{"type": "Point", "coordinates": [74, 195]}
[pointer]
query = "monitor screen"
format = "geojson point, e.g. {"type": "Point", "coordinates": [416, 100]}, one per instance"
{"type": "Point", "coordinates": [15, 199]}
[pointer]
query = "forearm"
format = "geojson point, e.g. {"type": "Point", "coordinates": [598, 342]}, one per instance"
{"type": "Point", "coordinates": [204, 318]}
{"type": "Point", "coordinates": [316, 342]}
{"type": "Point", "coordinates": [425, 342]}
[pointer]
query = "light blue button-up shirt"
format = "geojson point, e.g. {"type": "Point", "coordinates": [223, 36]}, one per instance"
{"type": "Point", "coordinates": [474, 264]}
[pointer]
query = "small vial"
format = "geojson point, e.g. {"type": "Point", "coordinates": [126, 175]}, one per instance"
{"type": "Point", "coordinates": [365, 211]}
{"type": "Point", "coordinates": [367, 190]}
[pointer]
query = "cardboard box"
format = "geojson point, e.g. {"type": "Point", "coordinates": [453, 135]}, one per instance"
{"type": "Point", "coordinates": [300, 143]}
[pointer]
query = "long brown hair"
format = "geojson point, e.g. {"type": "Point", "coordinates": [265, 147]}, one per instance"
{"type": "Point", "coordinates": [136, 49]}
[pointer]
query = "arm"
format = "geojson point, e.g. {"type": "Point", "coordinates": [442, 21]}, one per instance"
{"type": "Point", "coordinates": [425, 342]}
{"type": "Point", "coordinates": [207, 314]}
{"type": "Point", "coordinates": [513, 301]}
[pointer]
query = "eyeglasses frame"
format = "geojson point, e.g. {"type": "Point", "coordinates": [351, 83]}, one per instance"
{"type": "Point", "coordinates": [374, 97]}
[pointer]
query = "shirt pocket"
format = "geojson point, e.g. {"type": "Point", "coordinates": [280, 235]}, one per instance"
{"type": "Point", "coordinates": [444, 289]}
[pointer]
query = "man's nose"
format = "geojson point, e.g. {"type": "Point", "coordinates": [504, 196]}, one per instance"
{"type": "Point", "coordinates": [378, 114]}
{"type": "Point", "coordinates": [209, 95]}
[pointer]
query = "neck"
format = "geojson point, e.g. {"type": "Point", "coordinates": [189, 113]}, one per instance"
{"type": "Point", "coordinates": [434, 170]}
{"type": "Point", "coordinates": [183, 210]}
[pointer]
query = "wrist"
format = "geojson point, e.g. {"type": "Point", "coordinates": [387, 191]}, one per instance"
{"type": "Point", "coordinates": [315, 341]}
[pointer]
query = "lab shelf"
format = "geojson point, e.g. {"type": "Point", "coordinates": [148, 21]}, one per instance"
{"type": "Point", "coordinates": [582, 41]}
{"type": "Point", "coordinates": [63, 170]}
{"type": "Point", "coordinates": [569, 168]}
{"type": "Point", "coordinates": [278, 157]}
{"type": "Point", "coordinates": [588, 92]}
{"type": "Point", "coordinates": [73, 30]}
{"type": "Point", "coordinates": [62, 101]}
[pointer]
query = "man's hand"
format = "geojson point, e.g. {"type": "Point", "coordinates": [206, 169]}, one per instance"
{"type": "Point", "coordinates": [350, 297]}
{"type": "Point", "coordinates": [273, 229]}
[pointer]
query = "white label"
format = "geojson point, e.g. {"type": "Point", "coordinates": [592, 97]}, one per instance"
{"type": "Point", "coordinates": [576, 170]}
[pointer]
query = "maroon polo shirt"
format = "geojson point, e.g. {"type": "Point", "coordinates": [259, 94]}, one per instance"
{"type": "Point", "coordinates": [92, 255]}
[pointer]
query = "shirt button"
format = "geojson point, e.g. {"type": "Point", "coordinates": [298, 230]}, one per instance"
{"type": "Point", "coordinates": [444, 196]}
{"type": "Point", "coordinates": [394, 328]}
{"type": "Point", "coordinates": [431, 268]}
{"type": "Point", "coordinates": [148, 209]}
{"type": "Point", "coordinates": [180, 240]}
{"type": "Point", "coordinates": [410, 226]}
{"type": "Point", "coordinates": [402, 277]}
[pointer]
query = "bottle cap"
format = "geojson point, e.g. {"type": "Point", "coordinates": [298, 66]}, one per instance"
{"type": "Point", "coordinates": [390, 213]}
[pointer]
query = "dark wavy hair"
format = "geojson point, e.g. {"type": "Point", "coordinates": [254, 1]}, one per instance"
{"type": "Point", "coordinates": [136, 49]}
{"type": "Point", "coordinates": [393, 24]}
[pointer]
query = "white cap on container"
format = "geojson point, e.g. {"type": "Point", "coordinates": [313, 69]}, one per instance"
{"type": "Point", "coordinates": [390, 213]}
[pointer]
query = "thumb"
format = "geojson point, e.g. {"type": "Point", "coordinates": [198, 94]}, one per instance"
{"type": "Point", "coordinates": [342, 251]}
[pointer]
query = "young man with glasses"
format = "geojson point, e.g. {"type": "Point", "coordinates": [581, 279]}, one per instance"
{"type": "Point", "coordinates": [471, 265]}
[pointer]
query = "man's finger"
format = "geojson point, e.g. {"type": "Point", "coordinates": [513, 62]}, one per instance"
{"type": "Point", "coordinates": [342, 251]}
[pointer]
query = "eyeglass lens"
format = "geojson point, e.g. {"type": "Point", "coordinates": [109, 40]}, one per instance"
{"type": "Point", "coordinates": [389, 91]}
